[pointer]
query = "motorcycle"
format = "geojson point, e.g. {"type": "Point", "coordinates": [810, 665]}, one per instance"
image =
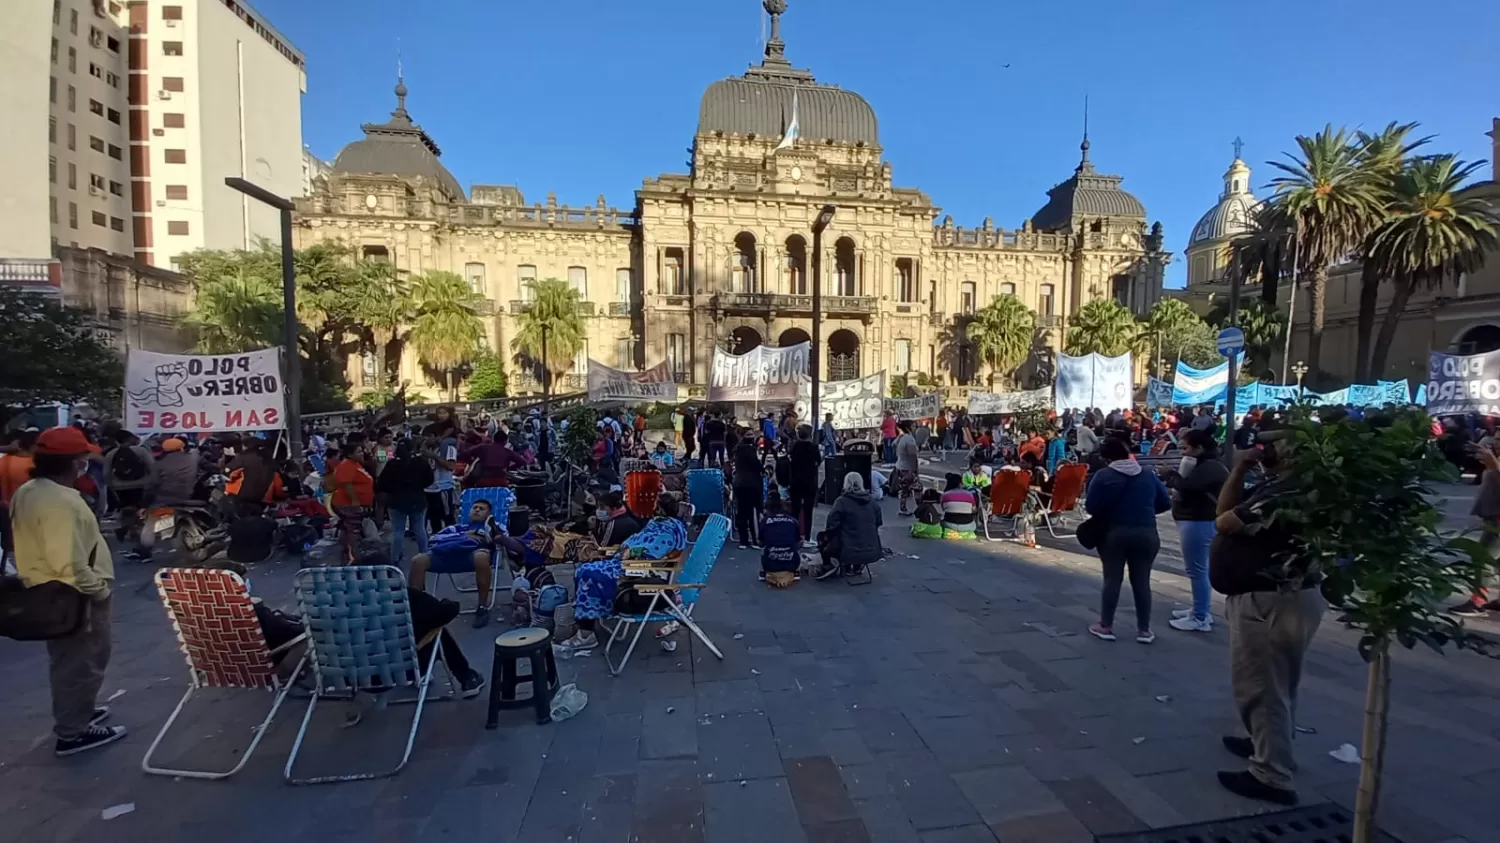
{"type": "Point", "coordinates": [193, 528]}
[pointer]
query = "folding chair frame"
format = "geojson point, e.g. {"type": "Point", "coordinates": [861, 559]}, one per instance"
{"type": "Point", "coordinates": [281, 689]}
{"type": "Point", "coordinates": [658, 592]}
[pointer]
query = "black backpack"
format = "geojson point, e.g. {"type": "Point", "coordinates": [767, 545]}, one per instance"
{"type": "Point", "coordinates": [129, 465]}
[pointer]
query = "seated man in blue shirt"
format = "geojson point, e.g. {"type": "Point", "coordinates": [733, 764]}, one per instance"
{"type": "Point", "coordinates": [780, 540]}
{"type": "Point", "coordinates": [463, 549]}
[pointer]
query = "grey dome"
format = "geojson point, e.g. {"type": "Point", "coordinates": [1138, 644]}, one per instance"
{"type": "Point", "coordinates": [1234, 214]}
{"type": "Point", "coordinates": [1087, 194]}
{"type": "Point", "coordinates": [398, 147]}
{"type": "Point", "coordinates": [762, 104]}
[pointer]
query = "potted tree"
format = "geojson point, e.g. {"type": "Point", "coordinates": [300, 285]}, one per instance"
{"type": "Point", "coordinates": [1366, 513]}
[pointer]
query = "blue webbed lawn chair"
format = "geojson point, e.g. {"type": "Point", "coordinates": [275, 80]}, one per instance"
{"type": "Point", "coordinates": [705, 490]}
{"type": "Point", "coordinates": [685, 587]}
{"type": "Point", "coordinates": [360, 639]}
{"type": "Point", "coordinates": [500, 499]}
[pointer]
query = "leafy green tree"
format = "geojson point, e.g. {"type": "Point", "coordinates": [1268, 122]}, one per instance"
{"type": "Point", "coordinates": [1367, 513]}
{"type": "Point", "coordinates": [1382, 154]}
{"type": "Point", "coordinates": [1175, 332]}
{"type": "Point", "coordinates": [1329, 201]}
{"type": "Point", "coordinates": [1430, 235]}
{"type": "Point", "coordinates": [238, 311]}
{"type": "Point", "coordinates": [488, 380]}
{"type": "Point", "coordinates": [1001, 334]}
{"type": "Point", "coordinates": [446, 326]}
{"type": "Point", "coordinates": [54, 353]}
{"type": "Point", "coordinates": [554, 307]}
{"type": "Point", "coordinates": [577, 445]}
{"type": "Point", "coordinates": [896, 386]}
{"type": "Point", "coordinates": [1264, 326]}
{"type": "Point", "coordinates": [1104, 326]}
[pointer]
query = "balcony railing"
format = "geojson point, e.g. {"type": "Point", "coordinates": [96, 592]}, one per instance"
{"type": "Point", "coordinates": [484, 307]}
{"type": "Point", "coordinates": [583, 308]}
{"type": "Point", "coordinates": [936, 319]}
{"type": "Point", "coordinates": [762, 302]}
{"type": "Point", "coordinates": [619, 308]}
{"type": "Point", "coordinates": [1049, 320]}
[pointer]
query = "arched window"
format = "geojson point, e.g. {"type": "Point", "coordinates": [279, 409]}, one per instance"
{"type": "Point", "coordinates": [796, 265]}
{"type": "Point", "coordinates": [844, 261]}
{"type": "Point", "coordinates": [742, 272]}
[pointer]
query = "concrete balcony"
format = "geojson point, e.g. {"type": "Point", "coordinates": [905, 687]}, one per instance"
{"type": "Point", "coordinates": [765, 303]}
{"type": "Point", "coordinates": [619, 308]}
{"type": "Point", "coordinates": [583, 308]}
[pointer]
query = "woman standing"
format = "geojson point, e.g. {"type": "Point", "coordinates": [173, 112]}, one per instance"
{"type": "Point", "coordinates": [402, 488]}
{"type": "Point", "coordinates": [1195, 487]}
{"type": "Point", "coordinates": [1127, 500]}
{"type": "Point", "coordinates": [749, 490]}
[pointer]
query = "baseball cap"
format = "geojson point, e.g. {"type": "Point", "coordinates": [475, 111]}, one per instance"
{"type": "Point", "coordinates": [62, 442]}
{"type": "Point", "coordinates": [173, 444]}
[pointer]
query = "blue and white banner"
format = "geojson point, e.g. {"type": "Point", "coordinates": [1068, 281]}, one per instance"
{"type": "Point", "coordinates": [1394, 392]}
{"type": "Point", "coordinates": [1093, 380]}
{"type": "Point", "coordinates": [1158, 393]}
{"type": "Point", "coordinates": [1200, 386]}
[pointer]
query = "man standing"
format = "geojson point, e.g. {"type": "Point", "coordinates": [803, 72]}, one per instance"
{"type": "Point", "coordinates": [828, 438]}
{"type": "Point", "coordinates": [688, 434]}
{"type": "Point", "coordinates": [804, 463]}
{"type": "Point", "coordinates": [132, 474]}
{"type": "Point", "coordinates": [1274, 606]}
{"type": "Point", "coordinates": [905, 477]}
{"type": "Point", "coordinates": [58, 540]}
{"type": "Point", "coordinates": [714, 433]}
{"type": "Point", "coordinates": [888, 438]}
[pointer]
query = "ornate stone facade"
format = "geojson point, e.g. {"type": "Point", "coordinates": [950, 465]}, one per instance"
{"type": "Point", "coordinates": [722, 256]}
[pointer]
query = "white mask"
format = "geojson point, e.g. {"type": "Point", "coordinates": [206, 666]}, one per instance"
{"type": "Point", "coordinates": [1186, 465]}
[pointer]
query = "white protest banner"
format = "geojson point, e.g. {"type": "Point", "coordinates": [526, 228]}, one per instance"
{"type": "Point", "coordinates": [174, 393]}
{"type": "Point", "coordinates": [855, 404]}
{"type": "Point", "coordinates": [761, 375]}
{"type": "Point", "coordinates": [1463, 383]}
{"type": "Point", "coordinates": [614, 385]}
{"type": "Point", "coordinates": [1005, 403]}
{"type": "Point", "coordinates": [922, 407]}
{"type": "Point", "coordinates": [1093, 380]}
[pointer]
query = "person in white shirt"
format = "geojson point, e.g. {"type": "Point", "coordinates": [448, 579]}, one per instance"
{"type": "Point", "coordinates": [441, 501]}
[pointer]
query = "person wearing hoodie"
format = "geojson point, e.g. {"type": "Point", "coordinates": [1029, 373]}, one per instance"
{"type": "Point", "coordinates": [1195, 504]}
{"type": "Point", "coordinates": [852, 537]}
{"type": "Point", "coordinates": [1057, 451]}
{"type": "Point", "coordinates": [1127, 499]}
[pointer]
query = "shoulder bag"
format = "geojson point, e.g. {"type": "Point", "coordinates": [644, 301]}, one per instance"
{"type": "Point", "coordinates": [44, 611]}
{"type": "Point", "coordinates": [1091, 532]}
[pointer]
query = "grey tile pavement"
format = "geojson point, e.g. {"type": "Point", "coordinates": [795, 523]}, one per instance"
{"type": "Point", "coordinates": [954, 699]}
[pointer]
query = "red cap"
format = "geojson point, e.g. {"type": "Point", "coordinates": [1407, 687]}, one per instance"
{"type": "Point", "coordinates": [62, 442]}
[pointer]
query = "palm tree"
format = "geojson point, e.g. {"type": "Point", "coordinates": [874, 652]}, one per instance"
{"type": "Point", "coordinates": [1329, 201]}
{"type": "Point", "coordinates": [1104, 326]}
{"type": "Point", "coordinates": [1382, 155]}
{"type": "Point", "coordinates": [1265, 250]}
{"type": "Point", "coordinates": [1001, 334]}
{"type": "Point", "coordinates": [1429, 235]}
{"type": "Point", "coordinates": [554, 307]}
{"type": "Point", "coordinates": [446, 328]}
{"type": "Point", "coordinates": [238, 312]}
{"type": "Point", "coordinates": [386, 307]}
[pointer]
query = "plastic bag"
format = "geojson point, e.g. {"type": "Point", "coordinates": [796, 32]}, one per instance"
{"type": "Point", "coordinates": [568, 701]}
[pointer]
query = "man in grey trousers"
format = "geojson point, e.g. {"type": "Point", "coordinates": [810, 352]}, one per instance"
{"type": "Point", "coordinates": [1274, 607]}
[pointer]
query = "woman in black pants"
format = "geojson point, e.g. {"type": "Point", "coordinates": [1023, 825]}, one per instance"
{"type": "Point", "coordinates": [749, 490]}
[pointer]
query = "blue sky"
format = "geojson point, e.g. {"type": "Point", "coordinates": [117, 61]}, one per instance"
{"type": "Point", "coordinates": [584, 97]}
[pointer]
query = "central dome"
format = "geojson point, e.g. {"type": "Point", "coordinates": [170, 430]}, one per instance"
{"type": "Point", "coordinates": [1234, 214]}
{"type": "Point", "coordinates": [771, 94]}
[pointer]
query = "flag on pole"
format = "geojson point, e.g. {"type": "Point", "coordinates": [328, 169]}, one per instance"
{"type": "Point", "coordinates": [792, 129]}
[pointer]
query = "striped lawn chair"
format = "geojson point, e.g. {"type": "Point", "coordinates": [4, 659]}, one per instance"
{"type": "Point", "coordinates": [360, 638]}
{"type": "Point", "coordinates": [686, 586]}
{"type": "Point", "coordinates": [221, 638]}
{"type": "Point", "coordinates": [500, 499]}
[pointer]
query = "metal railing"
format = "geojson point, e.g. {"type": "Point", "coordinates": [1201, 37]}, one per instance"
{"type": "Point", "coordinates": [583, 308]}
{"type": "Point", "coordinates": [779, 301]}
{"type": "Point", "coordinates": [619, 308]}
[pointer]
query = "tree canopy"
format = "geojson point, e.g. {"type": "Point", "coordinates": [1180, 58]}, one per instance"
{"type": "Point", "coordinates": [1104, 326]}
{"type": "Point", "coordinates": [54, 353]}
{"type": "Point", "coordinates": [1178, 333]}
{"type": "Point", "coordinates": [1001, 333]}
{"type": "Point", "coordinates": [553, 307]}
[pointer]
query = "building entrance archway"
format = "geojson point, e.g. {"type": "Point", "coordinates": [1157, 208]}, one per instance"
{"type": "Point", "coordinates": [1479, 339]}
{"type": "Point", "coordinates": [743, 340]}
{"type": "Point", "coordinates": [843, 355]}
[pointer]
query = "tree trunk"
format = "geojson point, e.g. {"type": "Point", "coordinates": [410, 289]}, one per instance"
{"type": "Point", "coordinates": [1372, 749]}
{"type": "Point", "coordinates": [1270, 277]}
{"type": "Point", "coordinates": [1393, 312]}
{"type": "Point", "coordinates": [1317, 292]}
{"type": "Point", "coordinates": [1369, 295]}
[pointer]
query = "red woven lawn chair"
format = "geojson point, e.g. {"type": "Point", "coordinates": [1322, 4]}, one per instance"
{"type": "Point", "coordinates": [1007, 498]}
{"type": "Point", "coordinates": [215, 621]}
{"type": "Point", "coordinates": [1067, 489]}
{"type": "Point", "coordinates": [642, 488]}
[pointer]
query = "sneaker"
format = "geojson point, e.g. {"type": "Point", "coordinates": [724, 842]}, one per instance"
{"type": "Point", "coordinates": [1182, 613]}
{"type": "Point", "coordinates": [1241, 746]}
{"type": "Point", "coordinates": [471, 685]}
{"type": "Point", "coordinates": [668, 645]}
{"type": "Point", "coordinates": [809, 544]}
{"type": "Point", "coordinates": [95, 736]}
{"type": "Point", "coordinates": [1244, 783]}
{"type": "Point", "coordinates": [760, 576]}
{"type": "Point", "coordinates": [101, 714]}
{"type": "Point", "coordinates": [1192, 624]}
{"type": "Point", "coordinates": [580, 641]}
{"type": "Point", "coordinates": [481, 617]}
{"type": "Point", "coordinates": [670, 627]}
{"type": "Point", "coordinates": [1145, 636]}
{"type": "Point", "coordinates": [744, 546]}
{"type": "Point", "coordinates": [1102, 632]}
{"type": "Point", "coordinates": [1468, 609]}
{"type": "Point", "coordinates": [828, 572]}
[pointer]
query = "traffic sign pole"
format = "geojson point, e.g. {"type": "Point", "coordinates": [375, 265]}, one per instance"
{"type": "Point", "coordinates": [1231, 343]}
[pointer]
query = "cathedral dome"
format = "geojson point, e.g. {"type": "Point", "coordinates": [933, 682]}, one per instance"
{"type": "Point", "coordinates": [1087, 194]}
{"type": "Point", "coordinates": [398, 147]}
{"type": "Point", "coordinates": [1234, 214]}
{"type": "Point", "coordinates": [771, 95]}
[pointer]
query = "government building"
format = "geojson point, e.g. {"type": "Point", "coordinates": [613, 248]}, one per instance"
{"type": "Point", "coordinates": [722, 256]}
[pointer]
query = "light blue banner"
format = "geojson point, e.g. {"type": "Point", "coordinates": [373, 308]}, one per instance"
{"type": "Point", "coordinates": [1158, 393]}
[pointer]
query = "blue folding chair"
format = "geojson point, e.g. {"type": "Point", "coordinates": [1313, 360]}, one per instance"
{"type": "Point", "coordinates": [686, 587]}
{"type": "Point", "coordinates": [705, 490]}
{"type": "Point", "coordinates": [360, 638]}
{"type": "Point", "coordinates": [500, 500]}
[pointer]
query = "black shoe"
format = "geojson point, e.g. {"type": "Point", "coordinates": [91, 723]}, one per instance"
{"type": "Point", "coordinates": [101, 714]}
{"type": "Point", "coordinates": [1468, 609]}
{"type": "Point", "coordinates": [760, 575]}
{"type": "Point", "coordinates": [744, 546]}
{"type": "Point", "coordinates": [828, 572]}
{"type": "Point", "coordinates": [481, 617]}
{"type": "Point", "coordinates": [1247, 785]}
{"type": "Point", "coordinates": [471, 685]}
{"type": "Point", "coordinates": [1243, 747]}
{"type": "Point", "coordinates": [95, 736]}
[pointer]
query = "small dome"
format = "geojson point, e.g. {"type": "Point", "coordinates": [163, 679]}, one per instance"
{"type": "Point", "coordinates": [1234, 214]}
{"type": "Point", "coordinates": [1087, 194]}
{"type": "Point", "coordinates": [398, 147]}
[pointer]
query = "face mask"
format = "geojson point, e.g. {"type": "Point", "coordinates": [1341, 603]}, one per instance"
{"type": "Point", "coordinates": [1185, 467]}
{"type": "Point", "coordinates": [601, 514]}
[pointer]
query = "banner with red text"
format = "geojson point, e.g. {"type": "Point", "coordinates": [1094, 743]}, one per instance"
{"type": "Point", "coordinates": [204, 393]}
{"type": "Point", "coordinates": [608, 385]}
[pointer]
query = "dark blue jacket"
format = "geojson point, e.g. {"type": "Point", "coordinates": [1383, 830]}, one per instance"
{"type": "Point", "coordinates": [1124, 495]}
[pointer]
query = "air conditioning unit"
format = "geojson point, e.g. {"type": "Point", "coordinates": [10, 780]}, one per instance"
{"type": "Point", "coordinates": [164, 94]}
{"type": "Point", "coordinates": [158, 132]}
{"type": "Point", "coordinates": [161, 203]}
{"type": "Point", "coordinates": [94, 191]}
{"type": "Point", "coordinates": [170, 24]}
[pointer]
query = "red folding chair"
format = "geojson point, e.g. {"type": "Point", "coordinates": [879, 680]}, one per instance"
{"type": "Point", "coordinates": [1067, 490]}
{"type": "Point", "coordinates": [642, 489]}
{"type": "Point", "coordinates": [1007, 499]}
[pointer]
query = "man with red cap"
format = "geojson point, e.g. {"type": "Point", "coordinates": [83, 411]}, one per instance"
{"type": "Point", "coordinates": [58, 540]}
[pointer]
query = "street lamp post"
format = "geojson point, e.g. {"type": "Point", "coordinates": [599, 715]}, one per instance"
{"type": "Point", "coordinates": [815, 354]}
{"type": "Point", "coordinates": [1299, 369]}
{"type": "Point", "coordinates": [289, 327]}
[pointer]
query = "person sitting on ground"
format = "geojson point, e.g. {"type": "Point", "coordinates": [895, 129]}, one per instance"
{"type": "Point", "coordinates": [780, 536]}
{"type": "Point", "coordinates": [598, 583]}
{"type": "Point", "coordinates": [463, 549]}
{"type": "Point", "coordinates": [959, 505]}
{"type": "Point", "coordinates": [851, 539]}
{"type": "Point", "coordinates": [662, 458]}
{"type": "Point", "coordinates": [929, 523]}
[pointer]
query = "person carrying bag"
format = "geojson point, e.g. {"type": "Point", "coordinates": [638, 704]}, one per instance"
{"type": "Point", "coordinates": [1123, 502]}
{"type": "Point", "coordinates": [61, 593]}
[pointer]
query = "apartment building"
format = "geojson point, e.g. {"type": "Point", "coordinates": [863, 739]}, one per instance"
{"type": "Point", "coordinates": [214, 91]}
